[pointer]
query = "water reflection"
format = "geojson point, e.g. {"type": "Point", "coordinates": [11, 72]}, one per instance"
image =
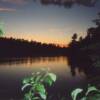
{"type": "Point", "coordinates": [12, 71]}
{"type": "Point", "coordinates": [11, 61]}
{"type": "Point", "coordinates": [83, 64]}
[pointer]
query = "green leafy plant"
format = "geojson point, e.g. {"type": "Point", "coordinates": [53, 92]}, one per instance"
{"type": "Point", "coordinates": [36, 85]}
{"type": "Point", "coordinates": [1, 32]}
{"type": "Point", "coordinates": [92, 93]}
{"type": "Point", "coordinates": [1, 29]}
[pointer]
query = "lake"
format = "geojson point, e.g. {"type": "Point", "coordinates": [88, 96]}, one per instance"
{"type": "Point", "coordinates": [13, 71]}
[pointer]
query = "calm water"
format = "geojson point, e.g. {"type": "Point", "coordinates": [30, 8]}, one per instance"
{"type": "Point", "coordinates": [12, 71]}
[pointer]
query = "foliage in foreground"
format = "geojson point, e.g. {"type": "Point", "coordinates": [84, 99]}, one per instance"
{"type": "Point", "coordinates": [1, 32]}
{"type": "Point", "coordinates": [36, 88]}
{"type": "Point", "coordinates": [36, 85]}
{"type": "Point", "coordinates": [92, 93]}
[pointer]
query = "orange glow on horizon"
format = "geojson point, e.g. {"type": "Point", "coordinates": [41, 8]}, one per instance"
{"type": "Point", "coordinates": [42, 39]}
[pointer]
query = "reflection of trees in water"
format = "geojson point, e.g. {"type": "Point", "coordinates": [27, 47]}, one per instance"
{"type": "Point", "coordinates": [83, 64]}
{"type": "Point", "coordinates": [31, 60]}
{"type": "Point", "coordinates": [84, 53]}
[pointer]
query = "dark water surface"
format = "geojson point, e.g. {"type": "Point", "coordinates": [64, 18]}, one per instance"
{"type": "Point", "coordinates": [12, 72]}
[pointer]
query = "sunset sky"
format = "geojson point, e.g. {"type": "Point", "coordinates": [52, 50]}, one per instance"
{"type": "Point", "coordinates": [50, 23]}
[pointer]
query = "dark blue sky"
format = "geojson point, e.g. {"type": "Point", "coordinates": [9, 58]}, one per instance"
{"type": "Point", "coordinates": [46, 23]}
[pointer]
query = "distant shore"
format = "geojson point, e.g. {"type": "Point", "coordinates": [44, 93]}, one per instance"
{"type": "Point", "coordinates": [10, 47]}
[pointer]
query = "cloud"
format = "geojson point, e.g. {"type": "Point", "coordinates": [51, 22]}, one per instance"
{"type": "Point", "coordinates": [68, 3]}
{"type": "Point", "coordinates": [65, 3]}
{"type": "Point", "coordinates": [7, 10]}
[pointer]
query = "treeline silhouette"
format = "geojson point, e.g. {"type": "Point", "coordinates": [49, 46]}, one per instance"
{"type": "Point", "coordinates": [69, 3]}
{"type": "Point", "coordinates": [84, 54]}
{"type": "Point", "coordinates": [10, 47]}
{"type": "Point", "coordinates": [91, 43]}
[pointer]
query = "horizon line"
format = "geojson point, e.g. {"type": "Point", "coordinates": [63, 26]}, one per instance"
{"type": "Point", "coordinates": [56, 44]}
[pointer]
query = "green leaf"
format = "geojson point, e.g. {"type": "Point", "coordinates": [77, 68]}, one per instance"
{"type": "Point", "coordinates": [52, 76]}
{"type": "Point", "coordinates": [35, 98]}
{"type": "Point", "coordinates": [26, 85]}
{"type": "Point", "coordinates": [91, 89]}
{"type": "Point", "coordinates": [36, 82]}
{"type": "Point", "coordinates": [1, 32]}
{"type": "Point", "coordinates": [41, 90]}
{"type": "Point", "coordinates": [26, 80]}
{"type": "Point", "coordinates": [48, 80]}
{"type": "Point", "coordinates": [84, 98]}
{"type": "Point", "coordinates": [75, 93]}
{"type": "Point", "coordinates": [38, 78]}
{"type": "Point", "coordinates": [43, 95]}
{"type": "Point", "coordinates": [27, 96]}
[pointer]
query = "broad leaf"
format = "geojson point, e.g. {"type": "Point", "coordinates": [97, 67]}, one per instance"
{"type": "Point", "coordinates": [26, 85]}
{"type": "Point", "coordinates": [84, 98]}
{"type": "Point", "coordinates": [38, 78]}
{"type": "Point", "coordinates": [91, 89]}
{"type": "Point", "coordinates": [48, 81]}
{"type": "Point", "coordinates": [52, 76]}
{"type": "Point", "coordinates": [40, 88]}
{"type": "Point", "coordinates": [75, 93]}
{"type": "Point", "coordinates": [43, 95]}
{"type": "Point", "coordinates": [26, 80]}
